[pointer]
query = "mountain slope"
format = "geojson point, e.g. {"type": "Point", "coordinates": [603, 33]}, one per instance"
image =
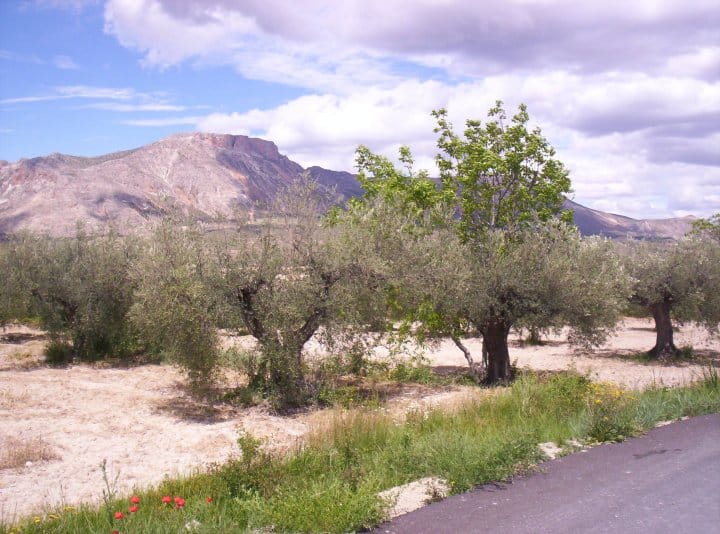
{"type": "Point", "coordinates": [594, 222]}
{"type": "Point", "coordinates": [207, 176]}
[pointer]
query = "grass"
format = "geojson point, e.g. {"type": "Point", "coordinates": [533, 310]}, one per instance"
{"type": "Point", "coordinates": [331, 483]}
{"type": "Point", "coordinates": [684, 354]}
{"type": "Point", "coordinates": [16, 452]}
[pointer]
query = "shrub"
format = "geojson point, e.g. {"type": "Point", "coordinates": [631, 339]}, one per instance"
{"type": "Point", "coordinates": [58, 353]}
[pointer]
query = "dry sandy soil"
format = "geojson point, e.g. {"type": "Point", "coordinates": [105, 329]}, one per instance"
{"type": "Point", "coordinates": [141, 420]}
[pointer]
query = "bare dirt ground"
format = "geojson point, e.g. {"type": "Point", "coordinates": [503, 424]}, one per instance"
{"type": "Point", "coordinates": [142, 421]}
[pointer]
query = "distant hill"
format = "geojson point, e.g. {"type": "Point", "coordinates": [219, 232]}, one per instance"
{"type": "Point", "coordinates": [594, 222]}
{"type": "Point", "coordinates": [207, 176]}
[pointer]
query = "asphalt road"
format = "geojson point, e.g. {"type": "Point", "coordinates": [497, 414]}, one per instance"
{"type": "Point", "coordinates": [667, 481]}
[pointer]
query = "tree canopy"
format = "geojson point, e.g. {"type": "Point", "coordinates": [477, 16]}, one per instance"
{"type": "Point", "coordinates": [489, 247]}
{"type": "Point", "coordinates": [500, 174]}
{"type": "Point", "coordinates": [677, 282]}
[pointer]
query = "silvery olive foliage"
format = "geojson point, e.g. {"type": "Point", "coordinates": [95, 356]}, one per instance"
{"type": "Point", "coordinates": [296, 278]}
{"type": "Point", "coordinates": [708, 228]}
{"type": "Point", "coordinates": [677, 282]}
{"type": "Point", "coordinates": [545, 277]}
{"type": "Point", "coordinates": [79, 288]}
{"type": "Point", "coordinates": [176, 306]}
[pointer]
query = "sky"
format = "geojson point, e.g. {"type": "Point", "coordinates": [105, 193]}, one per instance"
{"type": "Point", "coordinates": [627, 92]}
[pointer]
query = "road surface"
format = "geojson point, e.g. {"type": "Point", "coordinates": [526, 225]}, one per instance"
{"type": "Point", "coordinates": [667, 481]}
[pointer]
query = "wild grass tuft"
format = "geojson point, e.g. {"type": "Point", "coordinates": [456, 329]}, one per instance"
{"type": "Point", "coordinates": [17, 452]}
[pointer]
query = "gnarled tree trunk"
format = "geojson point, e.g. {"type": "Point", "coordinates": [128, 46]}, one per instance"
{"type": "Point", "coordinates": [664, 345]}
{"type": "Point", "coordinates": [495, 337]}
{"type": "Point", "coordinates": [477, 371]}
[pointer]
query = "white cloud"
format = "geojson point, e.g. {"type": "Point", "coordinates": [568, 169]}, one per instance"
{"type": "Point", "coordinates": [127, 108]}
{"type": "Point", "coordinates": [212, 34]}
{"type": "Point", "coordinates": [260, 38]}
{"type": "Point", "coordinates": [629, 93]}
{"type": "Point", "coordinates": [65, 63]}
{"type": "Point", "coordinates": [702, 62]}
{"type": "Point", "coordinates": [120, 99]}
{"type": "Point", "coordinates": [78, 91]}
{"type": "Point", "coordinates": [170, 121]}
{"type": "Point", "coordinates": [621, 169]}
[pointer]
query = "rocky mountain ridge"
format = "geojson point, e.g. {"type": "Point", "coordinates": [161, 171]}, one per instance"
{"type": "Point", "coordinates": [207, 176]}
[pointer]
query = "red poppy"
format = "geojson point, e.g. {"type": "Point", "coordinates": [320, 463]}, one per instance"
{"type": "Point", "coordinates": [179, 502]}
{"type": "Point", "coordinates": [119, 515]}
{"type": "Point", "coordinates": [115, 532]}
{"type": "Point", "coordinates": [209, 499]}
{"type": "Point", "coordinates": [133, 508]}
{"type": "Point", "coordinates": [167, 499]}
{"type": "Point", "coordinates": [135, 499]}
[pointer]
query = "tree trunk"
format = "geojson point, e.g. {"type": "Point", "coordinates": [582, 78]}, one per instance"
{"type": "Point", "coordinates": [477, 372]}
{"type": "Point", "coordinates": [534, 337]}
{"type": "Point", "coordinates": [664, 345]}
{"type": "Point", "coordinates": [286, 378]}
{"type": "Point", "coordinates": [495, 339]}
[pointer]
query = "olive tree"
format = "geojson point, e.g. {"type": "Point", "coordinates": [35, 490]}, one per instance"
{"type": "Point", "coordinates": [14, 297]}
{"type": "Point", "coordinates": [79, 287]}
{"type": "Point", "coordinates": [543, 277]}
{"type": "Point", "coordinates": [294, 278]}
{"type": "Point", "coordinates": [176, 302]}
{"type": "Point", "coordinates": [709, 228]}
{"type": "Point", "coordinates": [677, 282]}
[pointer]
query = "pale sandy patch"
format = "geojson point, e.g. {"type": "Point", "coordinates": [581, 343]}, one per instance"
{"type": "Point", "coordinates": [414, 495]}
{"type": "Point", "coordinates": [142, 422]}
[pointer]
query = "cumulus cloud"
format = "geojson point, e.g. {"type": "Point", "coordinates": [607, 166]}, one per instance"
{"type": "Point", "coordinates": [464, 38]}
{"type": "Point", "coordinates": [629, 93]}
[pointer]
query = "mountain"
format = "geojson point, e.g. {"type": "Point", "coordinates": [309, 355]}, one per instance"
{"type": "Point", "coordinates": [594, 222]}
{"type": "Point", "coordinates": [208, 176]}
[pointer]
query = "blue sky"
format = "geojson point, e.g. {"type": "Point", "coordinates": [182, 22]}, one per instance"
{"type": "Point", "coordinates": [628, 93]}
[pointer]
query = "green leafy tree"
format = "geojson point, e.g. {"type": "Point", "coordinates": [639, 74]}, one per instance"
{"type": "Point", "coordinates": [709, 227]}
{"type": "Point", "coordinates": [500, 174]}
{"type": "Point", "coordinates": [678, 282]}
{"type": "Point", "coordinates": [412, 192]}
{"type": "Point", "coordinates": [497, 177]}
